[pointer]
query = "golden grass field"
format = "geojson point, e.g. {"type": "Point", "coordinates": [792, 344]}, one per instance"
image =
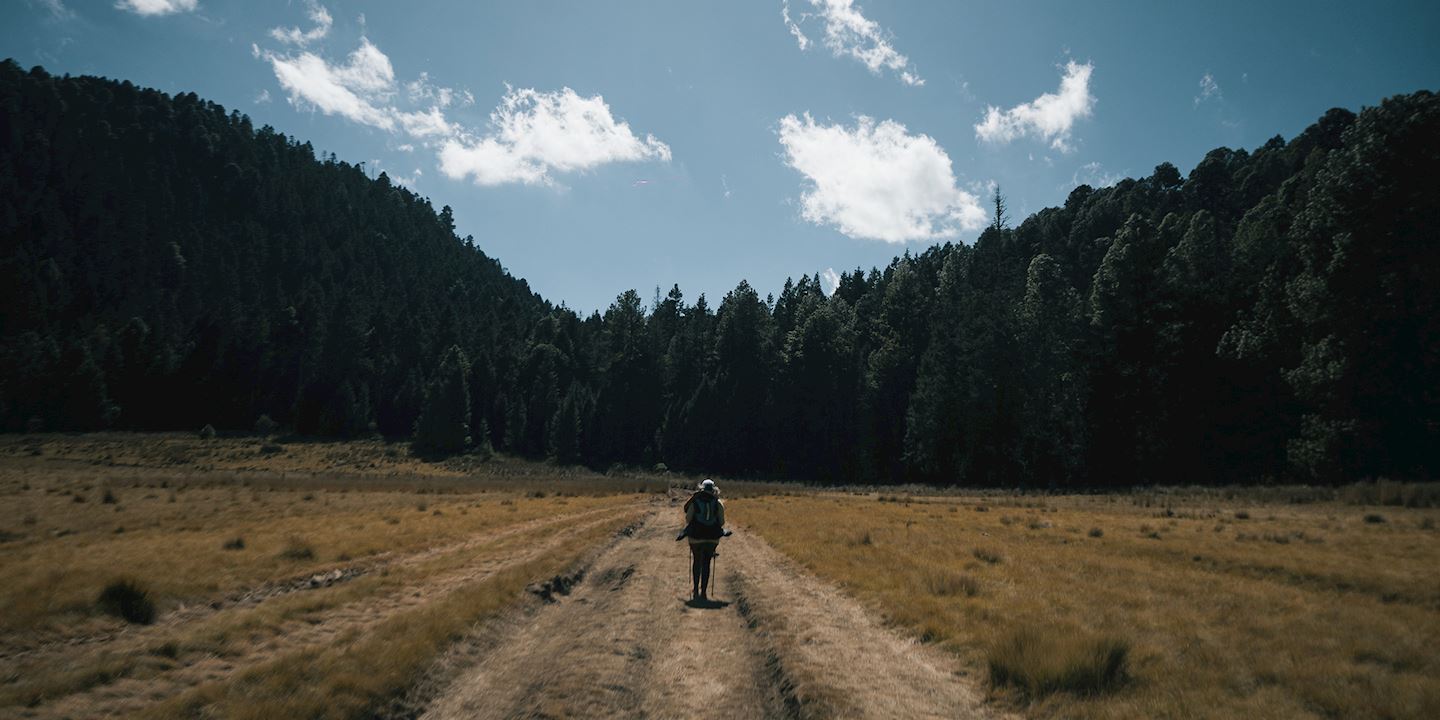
{"type": "Point", "coordinates": [200, 525]}
{"type": "Point", "coordinates": [1278, 602]}
{"type": "Point", "coordinates": [1219, 605]}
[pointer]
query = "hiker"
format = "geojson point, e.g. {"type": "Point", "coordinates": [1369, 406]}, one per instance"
{"type": "Point", "coordinates": [704, 525]}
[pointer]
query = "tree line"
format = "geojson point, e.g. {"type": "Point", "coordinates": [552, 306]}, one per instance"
{"type": "Point", "coordinates": [1272, 315]}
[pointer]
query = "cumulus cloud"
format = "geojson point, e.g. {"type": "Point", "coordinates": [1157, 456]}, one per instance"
{"type": "Point", "coordinates": [1208, 89]}
{"type": "Point", "coordinates": [157, 7]}
{"type": "Point", "coordinates": [1049, 117]}
{"type": "Point", "coordinates": [428, 124]}
{"type": "Point", "coordinates": [876, 181]}
{"type": "Point", "coordinates": [356, 89]}
{"type": "Point", "coordinates": [829, 281]}
{"type": "Point", "coordinates": [534, 135]}
{"type": "Point", "coordinates": [295, 36]}
{"type": "Point", "coordinates": [848, 33]}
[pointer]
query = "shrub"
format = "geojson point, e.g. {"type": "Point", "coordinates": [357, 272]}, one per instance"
{"type": "Point", "coordinates": [127, 600]}
{"type": "Point", "coordinates": [109, 497]}
{"type": "Point", "coordinates": [1096, 532]}
{"type": "Point", "coordinates": [207, 432]}
{"type": "Point", "coordinates": [297, 549]}
{"type": "Point", "coordinates": [1374, 519]}
{"type": "Point", "coordinates": [1040, 663]}
{"type": "Point", "coordinates": [987, 556]}
{"type": "Point", "coordinates": [265, 426]}
{"type": "Point", "coordinates": [1427, 524]}
{"type": "Point", "coordinates": [271, 449]}
{"type": "Point", "coordinates": [1242, 515]}
{"type": "Point", "coordinates": [948, 583]}
{"type": "Point", "coordinates": [235, 543]}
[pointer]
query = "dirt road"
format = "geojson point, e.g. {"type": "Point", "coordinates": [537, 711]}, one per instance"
{"type": "Point", "coordinates": [776, 642]}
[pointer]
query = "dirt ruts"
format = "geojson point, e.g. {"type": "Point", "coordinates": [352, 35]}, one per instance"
{"type": "Point", "coordinates": [774, 642]}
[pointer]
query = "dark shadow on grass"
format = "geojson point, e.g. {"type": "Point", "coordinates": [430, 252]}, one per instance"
{"type": "Point", "coordinates": [707, 604]}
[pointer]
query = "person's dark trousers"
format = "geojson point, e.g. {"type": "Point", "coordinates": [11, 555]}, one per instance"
{"type": "Point", "coordinates": [700, 558]}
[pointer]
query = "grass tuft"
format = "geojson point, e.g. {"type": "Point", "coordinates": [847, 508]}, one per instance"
{"type": "Point", "coordinates": [1374, 519]}
{"type": "Point", "coordinates": [128, 600]}
{"type": "Point", "coordinates": [296, 548]}
{"type": "Point", "coordinates": [942, 582]}
{"type": "Point", "coordinates": [987, 555]}
{"type": "Point", "coordinates": [1039, 663]}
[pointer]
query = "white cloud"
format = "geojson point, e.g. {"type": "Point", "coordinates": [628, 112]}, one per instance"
{"type": "Point", "coordinates": [157, 7]}
{"type": "Point", "coordinates": [849, 33]}
{"type": "Point", "coordinates": [1049, 117]}
{"type": "Point", "coordinates": [428, 124]}
{"type": "Point", "coordinates": [263, 97]}
{"type": "Point", "coordinates": [354, 90]}
{"type": "Point", "coordinates": [725, 185]}
{"type": "Point", "coordinates": [533, 135]}
{"type": "Point", "coordinates": [408, 182]}
{"type": "Point", "coordinates": [876, 181]}
{"type": "Point", "coordinates": [422, 90]}
{"type": "Point", "coordinates": [295, 36]}
{"type": "Point", "coordinates": [1208, 89]}
{"type": "Point", "coordinates": [57, 9]}
{"type": "Point", "coordinates": [1094, 175]}
{"type": "Point", "coordinates": [800, 38]}
{"type": "Point", "coordinates": [829, 281]}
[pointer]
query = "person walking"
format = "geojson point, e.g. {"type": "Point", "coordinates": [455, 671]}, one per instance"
{"type": "Point", "coordinates": [704, 526]}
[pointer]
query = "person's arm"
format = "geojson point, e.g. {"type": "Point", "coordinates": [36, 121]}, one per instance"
{"type": "Point", "coordinates": [721, 513]}
{"type": "Point", "coordinates": [689, 513]}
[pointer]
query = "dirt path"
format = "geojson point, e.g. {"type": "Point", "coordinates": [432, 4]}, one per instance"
{"type": "Point", "coordinates": [776, 643]}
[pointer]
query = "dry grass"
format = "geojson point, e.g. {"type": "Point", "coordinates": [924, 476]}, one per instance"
{"type": "Point", "coordinates": [355, 676]}
{"type": "Point", "coordinates": [174, 534]}
{"type": "Point", "coordinates": [189, 533]}
{"type": "Point", "coordinates": [1153, 605]}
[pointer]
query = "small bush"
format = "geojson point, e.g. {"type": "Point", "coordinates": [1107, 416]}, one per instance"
{"type": "Point", "coordinates": [862, 539]}
{"type": "Point", "coordinates": [1096, 532]}
{"type": "Point", "coordinates": [1374, 519]}
{"type": "Point", "coordinates": [297, 549]}
{"type": "Point", "coordinates": [981, 508]}
{"type": "Point", "coordinates": [127, 600]}
{"type": "Point", "coordinates": [1427, 524]}
{"type": "Point", "coordinates": [1038, 524]}
{"type": "Point", "coordinates": [235, 543]}
{"type": "Point", "coordinates": [109, 497]}
{"type": "Point", "coordinates": [1242, 515]}
{"type": "Point", "coordinates": [78, 498]}
{"type": "Point", "coordinates": [1040, 663]}
{"type": "Point", "coordinates": [207, 432]}
{"type": "Point", "coordinates": [947, 583]}
{"type": "Point", "coordinates": [271, 449]}
{"type": "Point", "coordinates": [1007, 520]}
{"type": "Point", "coordinates": [265, 426]}
{"type": "Point", "coordinates": [987, 556]}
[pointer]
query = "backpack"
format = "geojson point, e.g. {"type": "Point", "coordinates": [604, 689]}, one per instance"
{"type": "Point", "coordinates": [706, 525]}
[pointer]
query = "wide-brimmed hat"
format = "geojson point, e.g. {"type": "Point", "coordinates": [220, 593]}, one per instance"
{"type": "Point", "coordinates": [708, 485]}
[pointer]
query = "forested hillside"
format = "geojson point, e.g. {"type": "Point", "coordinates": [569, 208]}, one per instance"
{"type": "Point", "coordinates": [1275, 314]}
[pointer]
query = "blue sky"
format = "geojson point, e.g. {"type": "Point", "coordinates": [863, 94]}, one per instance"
{"type": "Point", "coordinates": [594, 147]}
